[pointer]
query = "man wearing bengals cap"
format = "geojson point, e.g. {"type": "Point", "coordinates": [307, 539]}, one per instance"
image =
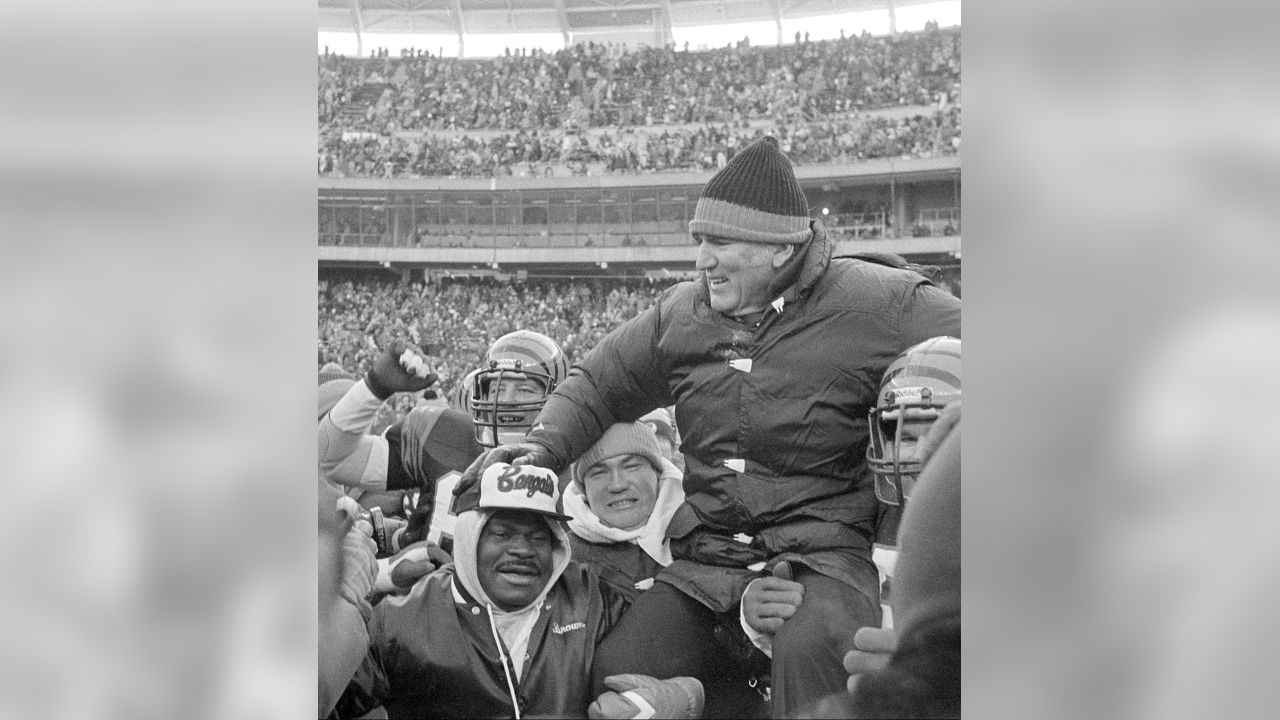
{"type": "Point", "coordinates": [772, 359]}
{"type": "Point", "coordinates": [508, 629]}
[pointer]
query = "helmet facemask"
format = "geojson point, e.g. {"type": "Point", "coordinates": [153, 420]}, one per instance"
{"type": "Point", "coordinates": [500, 422]}
{"type": "Point", "coordinates": [893, 454]}
{"type": "Point", "coordinates": [917, 385]}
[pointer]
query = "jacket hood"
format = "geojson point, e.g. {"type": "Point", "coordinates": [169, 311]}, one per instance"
{"type": "Point", "coordinates": [466, 542]}
{"type": "Point", "coordinates": [800, 272]}
{"type": "Point", "coordinates": [651, 537]}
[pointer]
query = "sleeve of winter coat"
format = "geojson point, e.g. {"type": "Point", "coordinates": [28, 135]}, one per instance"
{"type": "Point", "coordinates": [929, 312]}
{"type": "Point", "coordinates": [621, 379]}
{"type": "Point", "coordinates": [369, 688]}
{"type": "Point", "coordinates": [615, 604]}
{"type": "Point", "coordinates": [347, 455]}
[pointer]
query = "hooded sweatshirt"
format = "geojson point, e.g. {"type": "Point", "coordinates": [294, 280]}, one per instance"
{"type": "Point", "coordinates": [512, 626]}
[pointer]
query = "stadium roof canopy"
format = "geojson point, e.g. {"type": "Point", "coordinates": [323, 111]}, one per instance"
{"type": "Point", "coordinates": [573, 19]}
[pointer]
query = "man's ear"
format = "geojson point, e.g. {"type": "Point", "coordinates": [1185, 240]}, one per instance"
{"type": "Point", "coordinates": [781, 254]}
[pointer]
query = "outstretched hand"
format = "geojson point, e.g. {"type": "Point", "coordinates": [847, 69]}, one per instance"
{"type": "Point", "coordinates": [642, 696]}
{"type": "Point", "coordinates": [527, 453]}
{"type": "Point", "coordinates": [400, 571]}
{"type": "Point", "coordinates": [358, 553]}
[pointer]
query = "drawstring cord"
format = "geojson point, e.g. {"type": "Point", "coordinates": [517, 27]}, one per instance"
{"type": "Point", "coordinates": [502, 655]}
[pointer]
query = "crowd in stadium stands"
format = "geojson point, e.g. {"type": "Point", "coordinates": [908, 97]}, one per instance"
{"type": "Point", "coordinates": [600, 108]}
{"type": "Point", "coordinates": [637, 150]}
{"type": "Point", "coordinates": [458, 319]}
{"type": "Point", "coordinates": [595, 85]}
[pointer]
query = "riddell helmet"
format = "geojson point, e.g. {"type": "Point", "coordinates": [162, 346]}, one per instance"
{"type": "Point", "coordinates": [916, 386]}
{"type": "Point", "coordinates": [518, 355]}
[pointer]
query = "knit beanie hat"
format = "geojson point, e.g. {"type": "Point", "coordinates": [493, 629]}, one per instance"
{"type": "Point", "coordinates": [621, 439]}
{"type": "Point", "coordinates": [754, 198]}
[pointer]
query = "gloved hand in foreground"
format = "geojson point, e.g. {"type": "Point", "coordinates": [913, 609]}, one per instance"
{"type": "Point", "coordinates": [641, 696]}
{"type": "Point", "coordinates": [399, 367]}
{"type": "Point", "coordinates": [358, 552]}
{"type": "Point", "coordinates": [400, 571]}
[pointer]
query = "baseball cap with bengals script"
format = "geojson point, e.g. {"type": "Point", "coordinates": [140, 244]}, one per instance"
{"type": "Point", "coordinates": [520, 487]}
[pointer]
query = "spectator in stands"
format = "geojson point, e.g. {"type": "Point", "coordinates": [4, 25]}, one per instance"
{"type": "Point", "coordinates": [364, 104]}
{"type": "Point", "coordinates": [772, 476]}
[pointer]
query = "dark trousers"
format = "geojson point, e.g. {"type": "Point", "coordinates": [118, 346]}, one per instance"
{"type": "Point", "coordinates": [808, 652]}
{"type": "Point", "coordinates": [667, 634]}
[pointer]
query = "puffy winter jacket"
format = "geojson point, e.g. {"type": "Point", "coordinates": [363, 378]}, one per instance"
{"type": "Point", "coordinates": [433, 653]}
{"type": "Point", "coordinates": [772, 410]}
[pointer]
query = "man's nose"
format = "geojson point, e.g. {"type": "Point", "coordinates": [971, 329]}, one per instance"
{"type": "Point", "coordinates": [706, 258]}
{"type": "Point", "coordinates": [520, 547]}
{"type": "Point", "coordinates": [617, 483]}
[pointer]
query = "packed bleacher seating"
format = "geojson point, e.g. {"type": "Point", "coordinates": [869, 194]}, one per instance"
{"type": "Point", "coordinates": [595, 108]}
{"type": "Point", "coordinates": [636, 150]}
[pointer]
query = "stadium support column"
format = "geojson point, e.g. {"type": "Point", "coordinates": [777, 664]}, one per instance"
{"type": "Point", "coordinates": [777, 19]}
{"type": "Point", "coordinates": [459, 25]}
{"type": "Point", "coordinates": [358, 20]}
{"type": "Point", "coordinates": [563, 17]}
{"type": "Point", "coordinates": [898, 199]}
{"type": "Point", "coordinates": [664, 28]}
{"type": "Point", "coordinates": [893, 20]}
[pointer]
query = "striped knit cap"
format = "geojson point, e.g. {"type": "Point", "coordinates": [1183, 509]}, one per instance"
{"type": "Point", "coordinates": [754, 198]}
{"type": "Point", "coordinates": [621, 439]}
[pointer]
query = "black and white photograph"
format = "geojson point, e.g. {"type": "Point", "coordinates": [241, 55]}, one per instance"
{"type": "Point", "coordinates": [634, 328]}
{"type": "Point", "coordinates": [639, 359]}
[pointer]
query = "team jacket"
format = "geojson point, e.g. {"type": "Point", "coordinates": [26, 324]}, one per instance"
{"type": "Point", "coordinates": [433, 654]}
{"type": "Point", "coordinates": [773, 413]}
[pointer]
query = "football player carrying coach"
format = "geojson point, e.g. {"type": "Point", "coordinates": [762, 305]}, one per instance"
{"type": "Point", "coordinates": [772, 359]}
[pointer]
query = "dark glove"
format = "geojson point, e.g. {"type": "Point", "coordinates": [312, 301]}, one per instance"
{"type": "Point", "coordinates": [526, 453]}
{"type": "Point", "coordinates": [419, 524]}
{"type": "Point", "coordinates": [399, 367]}
{"type": "Point", "coordinates": [641, 696]}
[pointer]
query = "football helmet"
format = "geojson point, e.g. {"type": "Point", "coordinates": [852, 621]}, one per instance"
{"type": "Point", "coordinates": [460, 399]}
{"type": "Point", "coordinates": [916, 386]}
{"type": "Point", "coordinates": [513, 359]}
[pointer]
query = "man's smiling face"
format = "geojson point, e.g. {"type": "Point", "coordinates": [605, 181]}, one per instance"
{"type": "Point", "coordinates": [513, 557]}
{"type": "Point", "coordinates": [621, 490]}
{"type": "Point", "coordinates": [738, 273]}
